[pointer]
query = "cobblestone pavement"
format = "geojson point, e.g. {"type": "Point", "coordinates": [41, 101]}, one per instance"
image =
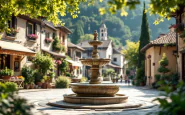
{"type": "Point", "coordinates": [37, 96]}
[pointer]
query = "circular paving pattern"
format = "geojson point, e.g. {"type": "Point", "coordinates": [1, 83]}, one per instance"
{"type": "Point", "coordinates": [130, 105]}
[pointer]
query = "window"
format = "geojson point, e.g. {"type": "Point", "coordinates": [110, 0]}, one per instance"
{"type": "Point", "coordinates": [115, 59]}
{"type": "Point", "coordinates": [63, 39]}
{"type": "Point", "coordinates": [13, 22]}
{"type": "Point", "coordinates": [47, 35]}
{"type": "Point", "coordinates": [101, 30]}
{"type": "Point", "coordinates": [102, 34]}
{"type": "Point", "coordinates": [78, 54]}
{"type": "Point", "coordinates": [30, 28]}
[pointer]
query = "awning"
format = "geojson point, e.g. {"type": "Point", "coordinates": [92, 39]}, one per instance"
{"type": "Point", "coordinates": [114, 66]}
{"type": "Point", "coordinates": [54, 54]}
{"type": "Point", "coordinates": [13, 48]}
{"type": "Point", "coordinates": [74, 63]}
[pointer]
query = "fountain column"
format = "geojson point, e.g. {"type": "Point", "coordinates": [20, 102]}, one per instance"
{"type": "Point", "coordinates": [95, 69]}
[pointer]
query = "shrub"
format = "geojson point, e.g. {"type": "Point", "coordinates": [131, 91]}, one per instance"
{"type": "Point", "coordinates": [140, 77]}
{"type": "Point", "coordinates": [44, 63]}
{"type": "Point", "coordinates": [11, 86]}
{"type": "Point", "coordinates": [6, 72]}
{"type": "Point", "coordinates": [176, 105]}
{"type": "Point", "coordinates": [28, 74]}
{"type": "Point", "coordinates": [11, 103]}
{"type": "Point", "coordinates": [37, 76]}
{"type": "Point", "coordinates": [62, 82]}
{"type": "Point", "coordinates": [83, 79]}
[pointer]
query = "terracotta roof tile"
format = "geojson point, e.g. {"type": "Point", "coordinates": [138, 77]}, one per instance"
{"type": "Point", "coordinates": [169, 38]}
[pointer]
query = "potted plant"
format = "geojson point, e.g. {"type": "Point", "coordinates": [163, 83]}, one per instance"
{"type": "Point", "coordinates": [32, 85]}
{"type": "Point", "coordinates": [43, 84]}
{"type": "Point", "coordinates": [48, 40]}
{"type": "Point", "coordinates": [12, 32]}
{"type": "Point", "coordinates": [6, 73]}
{"type": "Point", "coordinates": [32, 37]}
{"type": "Point", "coordinates": [57, 47]}
{"type": "Point", "coordinates": [26, 86]}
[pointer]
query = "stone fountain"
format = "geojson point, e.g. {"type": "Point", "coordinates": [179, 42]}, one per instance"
{"type": "Point", "coordinates": [95, 94]}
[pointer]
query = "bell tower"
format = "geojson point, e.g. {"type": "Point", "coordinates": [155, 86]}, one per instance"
{"type": "Point", "coordinates": [103, 32]}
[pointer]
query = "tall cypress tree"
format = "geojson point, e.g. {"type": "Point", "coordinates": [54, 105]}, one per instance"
{"type": "Point", "coordinates": [144, 37]}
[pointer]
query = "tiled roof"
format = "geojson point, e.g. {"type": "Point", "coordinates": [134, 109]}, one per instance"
{"type": "Point", "coordinates": [169, 38]}
{"type": "Point", "coordinates": [115, 51]}
{"type": "Point", "coordinates": [85, 44]}
{"type": "Point", "coordinates": [71, 45]}
{"type": "Point", "coordinates": [51, 25]}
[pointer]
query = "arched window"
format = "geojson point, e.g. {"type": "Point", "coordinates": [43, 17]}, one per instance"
{"type": "Point", "coordinates": [101, 30]}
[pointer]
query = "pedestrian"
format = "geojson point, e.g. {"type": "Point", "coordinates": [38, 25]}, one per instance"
{"type": "Point", "coordinates": [126, 78]}
{"type": "Point", "coordinates": [121, 77]}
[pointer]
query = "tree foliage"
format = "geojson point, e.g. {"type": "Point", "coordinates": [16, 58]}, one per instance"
{"type": "Point", "coordinates": [43, 63]}
{"type": "Point", "coordinates": [11, 103]}
{"type": "Point", "coordinates": [86, 37]}
{"type": "Point", "coordinates": [131, 53]}
{"type": "Point", "coordinates": [144, 37]}
{"type": "Point", "coordinates": [163, 63]}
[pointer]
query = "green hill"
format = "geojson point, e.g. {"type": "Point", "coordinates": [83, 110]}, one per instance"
{"type": "Point", "coordinates": [119, 28]}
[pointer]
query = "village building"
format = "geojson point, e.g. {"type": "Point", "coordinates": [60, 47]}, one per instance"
{"type": "Point", "coordinates": [75, 53]}
{"type": "Point", "coordinates": [165, 43]}
{"type": "Point", "coordinates": [106, 50]}
{"type": "Point", "coordinates": [179, 15]}
{"type": "Point", "coordinates": [17, 49]}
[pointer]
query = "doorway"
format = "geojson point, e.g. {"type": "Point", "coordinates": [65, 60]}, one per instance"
{"type": "Point", "coordinates": [4, 61]}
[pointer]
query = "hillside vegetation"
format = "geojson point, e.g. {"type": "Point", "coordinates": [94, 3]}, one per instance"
{"type": "Point", "coordinates": [120, 28]}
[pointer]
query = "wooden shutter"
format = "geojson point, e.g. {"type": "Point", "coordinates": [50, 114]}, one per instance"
{"type": "Point", "coordinates": [26, 28]}
{"type": "Point", "coordinates": [54, 35]}
{"type": "Point", "coordinates": [35, 28]}
{"type": "Point", "coordinates": [14, 22]}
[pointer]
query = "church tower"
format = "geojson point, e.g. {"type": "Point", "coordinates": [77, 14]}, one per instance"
{"type": "Point", "coordinates": [103, 32]}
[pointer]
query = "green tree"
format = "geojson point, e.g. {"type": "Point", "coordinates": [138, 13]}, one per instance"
{"type": "Point", "coordinates": [86, 37]}
{"type": "Point", "coordinates": [144, 37]}
{"type": "Point", "coordinates": [163, 63]}
{"type": "Point", "coordinates": [131, 53]}
{"type": "Point", "coordinates": [78, 32]}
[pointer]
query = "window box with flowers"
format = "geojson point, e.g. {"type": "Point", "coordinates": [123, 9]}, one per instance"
{"type": "Point", "coordinates": [32, 37]}
{"type": "Point", "coordinates": [48, 40]}
{"type": "Point", "coordinates": [11, 33]}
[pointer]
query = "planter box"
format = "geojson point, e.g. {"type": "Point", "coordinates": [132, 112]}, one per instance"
{"type": "Point", "coordinates": [12, 38]}
{"type": "Point", "coordinates": [75, 80]}
{"type": "Point", "coordinates": [106, 79]}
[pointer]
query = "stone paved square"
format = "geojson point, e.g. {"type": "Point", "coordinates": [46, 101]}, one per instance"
{"type": "Point", "coordinates": [39, 97]}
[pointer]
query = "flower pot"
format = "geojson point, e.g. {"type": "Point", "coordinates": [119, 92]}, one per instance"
{"type": "Point", "coordinates": [6, 77]}
{"type": "Point", "coordinates": [44, 85]}
{"type": "Point", "coordinates": [27, 86]}
{"type": "Point", "coordinates": [32, 86]}
{"type": "Point", "coordinates": [39, 84]}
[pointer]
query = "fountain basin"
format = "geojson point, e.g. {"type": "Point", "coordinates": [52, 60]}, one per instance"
{"type": "Point", "coordinates": [73, 98]}
{"type": "Point", "coordinates": [95, 42]}
{"type": "Point", "coordinates": [91, 62]}
{"type": "Point", "coordinates": [94, 90]}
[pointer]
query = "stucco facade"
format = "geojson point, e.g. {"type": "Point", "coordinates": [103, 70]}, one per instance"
{"type": "Point", "coordinates": [153, 56]}
{"type": "Point", "coordinates": [22, 39]}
